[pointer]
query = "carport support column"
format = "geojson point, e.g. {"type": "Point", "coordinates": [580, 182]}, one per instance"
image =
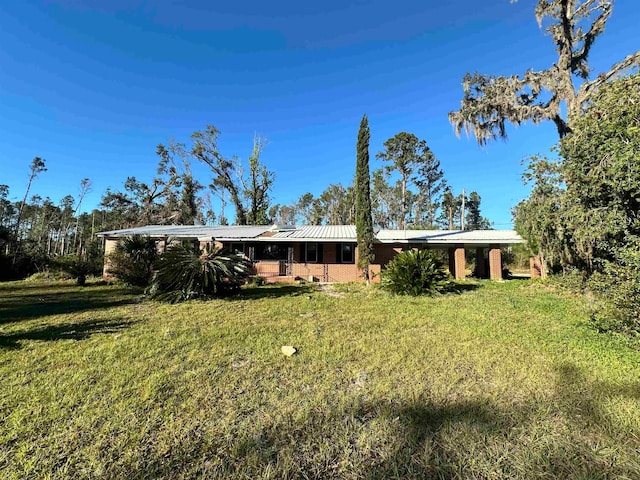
{"type": "Point", "coordinates": [109, 247]}
{"type": "Point", "coordinates": [537, 267]}
{"type": "Point", "coordinates": [457, 262]}
{"type": "Point", "coordinates": [495, 262]}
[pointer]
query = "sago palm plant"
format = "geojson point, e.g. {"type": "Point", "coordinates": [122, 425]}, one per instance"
{"type": "Point", "coordinates": [133, 259]}
{"type": "Point", "coordinates": [184, 273]}
{"type": "Point", "coordinates": [415, 272]}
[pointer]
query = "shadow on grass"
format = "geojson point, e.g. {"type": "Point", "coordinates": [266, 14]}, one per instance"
{"type": "Point", "coordinates": [566, 435]}
{"type": "Point", "coordinates": [518, 276]}
{"type": "Point", "coordinates": [274, 291]}
{"type": "Point", "coordinates": [65, 331]}
{"type": "Point", "coordinates": [576, 402]}
{"type": "Point", "coordinates": [458, 288]}
{"type": "Point", "coordinates": [67, 299]}
{"type": "Point", "coordinates": [480, 439]}
{"type": "Point", "coordinates": [44, 285]}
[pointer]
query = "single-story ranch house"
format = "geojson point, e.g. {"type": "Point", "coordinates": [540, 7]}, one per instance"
{"type": "Point", "coordinates": [328, 253]}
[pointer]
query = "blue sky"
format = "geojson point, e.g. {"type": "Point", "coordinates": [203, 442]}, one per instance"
{"type": "Point", "coordinates": [94, 86]}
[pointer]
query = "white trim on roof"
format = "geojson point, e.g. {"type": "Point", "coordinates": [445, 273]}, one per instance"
{"type": "Point", "coordinates": [448, 237]}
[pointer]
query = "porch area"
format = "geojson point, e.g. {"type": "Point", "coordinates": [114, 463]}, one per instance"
{"type": "Point", "coordinates": [284, 271]}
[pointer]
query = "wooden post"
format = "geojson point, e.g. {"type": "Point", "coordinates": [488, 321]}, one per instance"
{"type": "Point", "coordinates": [289, 260]}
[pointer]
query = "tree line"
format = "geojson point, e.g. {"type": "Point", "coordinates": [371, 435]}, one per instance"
{"type": "Point", "coordinates": [409, 191]}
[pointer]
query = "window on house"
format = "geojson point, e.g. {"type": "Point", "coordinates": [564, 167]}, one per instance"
{"type": "Point", "coordinates": [237, 248]}
{"type": "Point", "coordinates": [271, 251]}
{"type": "Point", "coordinates": [311, 254]}
{"type": "Point", "coordinates": [347, 252]}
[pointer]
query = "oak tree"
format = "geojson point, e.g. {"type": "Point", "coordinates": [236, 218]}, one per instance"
{"type": "Point", "coordinates": [490, 101]}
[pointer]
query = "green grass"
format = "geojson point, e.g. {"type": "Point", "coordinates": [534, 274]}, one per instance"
{"type": "Point", "coordinates": [503, 380]}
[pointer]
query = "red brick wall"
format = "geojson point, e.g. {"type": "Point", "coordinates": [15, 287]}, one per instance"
{"type": "Point", "coordinates": [267, 268]}
{"type": "Point", "coordinates": [329, 270]}
{"type": "Point", "coordinates": [345, 272]}
{"type": "Point", "coordinates": [308, 270]}
{"type": "Point", "coordinates": [460, 263]}
{"type": "Point", "coordinates": [317, 272]}
{"type": "Point", "coordinates": [384, 253]}
{"type": "Point", "coordinates": [537, 269]}
{"type": "Point", "coordinates": [110, 246]}
{"type": "Point", "coordinates": [374, 270]}
{"type": "Point", "coordinates": [495, 262]}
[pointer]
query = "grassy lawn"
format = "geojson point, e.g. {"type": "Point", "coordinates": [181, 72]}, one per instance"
{"type": "Point", "coordinates": [501, 381]}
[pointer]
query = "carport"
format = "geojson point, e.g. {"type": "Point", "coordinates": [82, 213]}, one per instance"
{"type": "Point", "coordinates": [486, 243]}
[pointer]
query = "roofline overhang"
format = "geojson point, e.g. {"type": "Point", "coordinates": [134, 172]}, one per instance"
{"type": "Point", "coordinates": [451, 242]}
{"type": "Point", "coordinates": [286, 239]}
{"type": "Point", "coordinates": [420, 241]}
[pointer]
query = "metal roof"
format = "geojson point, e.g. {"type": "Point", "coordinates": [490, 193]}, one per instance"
{"type": "Point", "coordinates": [478, 237]}
{"type": "Point", "coordinates": [319, 233]}
{"type": "Point", "coordinates": [339, 233]}
{"type": "Point", "coordinates": [219, 232]}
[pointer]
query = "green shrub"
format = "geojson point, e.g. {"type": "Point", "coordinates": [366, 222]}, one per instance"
{"type": "Point", "coordinates": [133, 259]}
{"type": "Point", "coordinates": [618, 291]}
{"type": "Point", "coordinates": [572, 280]}
{"type": "Point", "coordinates": [415, 272]}
{"type": "Point", "coordinates": [47, 276]}
{"type": "Point", "coordinates": [184, 273]}
{"type": "Point", "coordinates": [74, 266]}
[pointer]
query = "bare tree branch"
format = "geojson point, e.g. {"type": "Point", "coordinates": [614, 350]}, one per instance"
{"type": "Point", "coordinates": [489, 102]}
{"type": "Point", "coordinates": [630, 62]}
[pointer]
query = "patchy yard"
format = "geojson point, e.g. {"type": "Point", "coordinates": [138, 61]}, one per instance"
{"type": "Point", "coordinates": [500, 381]}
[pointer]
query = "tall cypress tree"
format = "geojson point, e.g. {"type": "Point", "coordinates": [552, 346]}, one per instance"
{"type": "Point", "coordinates": [364, 224]}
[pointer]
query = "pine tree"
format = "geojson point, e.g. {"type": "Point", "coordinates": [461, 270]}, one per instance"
{"type": "Point", "coordinates": [474, 219]}
{"type": "Point", "coordinates": [364, 224]}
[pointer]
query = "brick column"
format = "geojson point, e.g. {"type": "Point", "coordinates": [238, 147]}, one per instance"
{"type": "Point", "coordinates": [109, 247]}
{"type": "Point", "coordinates": [461, 263]}
{"type": "Point", "coordinates": [536, 267]}
{"type": "Point", "coordinates": [495, 262]}
{"type": "Point", "coordinates": [536, 271]}
{"type": "Point", "coordinates": [457, 262]}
